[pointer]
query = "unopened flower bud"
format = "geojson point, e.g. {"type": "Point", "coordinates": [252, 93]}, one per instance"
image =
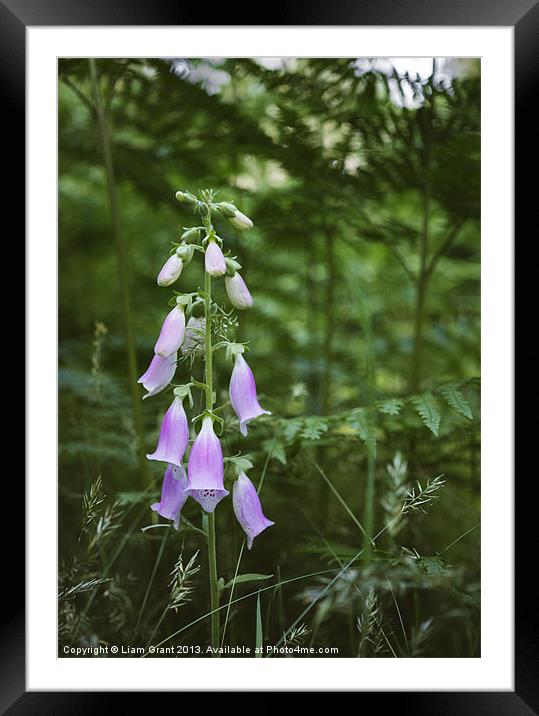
{"type": "Point", "coordinates": [171, 271]}
{"type": "Point", "coordinates": [214, 260]}
{"type": "Point", "coordinates": [240, 221]}
{"type": "Point", "coordinates": [238, 293]}
{"type": "Point", "coordinates": [185, 196]}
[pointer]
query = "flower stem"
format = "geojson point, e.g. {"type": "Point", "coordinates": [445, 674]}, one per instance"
{"type": "Point", "coordinates": [214, 594]}
{"type": "Point", "coordinates": [208, 358]}
{"type": "Point", "coordinates": [212, 554]}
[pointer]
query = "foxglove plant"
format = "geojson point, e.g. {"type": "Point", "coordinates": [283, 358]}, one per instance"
{"type": "Point", "coordinates": [204, 479]}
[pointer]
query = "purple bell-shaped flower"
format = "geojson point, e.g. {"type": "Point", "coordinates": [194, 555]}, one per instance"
{"type": "Point", "coordinates": [174, 435]}
{"type": "Point", "coordinates": [243, 393]}
{"type": "Point", "coordinates": [205, 469]}
{"type": "Point", "coordinates": [172, 333]}
{"type": "Point", "coordinates": [248, 509]}
{"type": "Point", "coordinates": [159, 374]}
{"type": "Point", "coordinates": [173, 494]}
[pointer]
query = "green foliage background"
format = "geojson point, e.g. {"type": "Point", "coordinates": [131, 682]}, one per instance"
{"type": "Point", "coordinates": [363, 184]}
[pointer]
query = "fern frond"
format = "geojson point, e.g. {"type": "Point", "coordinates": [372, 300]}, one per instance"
{"type": "Point", "coordinates": [429, 413]}
{"type": "Point", "coordinates": [313, 427]}
{"type": "Point", "coordinates": [390, 406]}
{"type": "Point", "coordinates": [456, 400]}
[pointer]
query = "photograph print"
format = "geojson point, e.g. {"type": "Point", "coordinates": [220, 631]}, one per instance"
{"type": "Point", "coordinates": [269, 357]}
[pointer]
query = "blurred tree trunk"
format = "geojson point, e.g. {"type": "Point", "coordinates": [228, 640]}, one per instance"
{"type": "Point", "coordinates": [416, 373]}
{"type": "Point", "coordinates": [103, 125]}
{"type": "Point", "coordinates": [329, 333]}
{"type": "Point", "coordinates": [310, 371]}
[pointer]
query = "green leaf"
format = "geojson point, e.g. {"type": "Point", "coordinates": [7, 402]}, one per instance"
{"type": "Point", "coordinates": [427, 408]}
{"type": "Point", "coordinates": [291, 428]}
{"type": "Point", "coordinates": [314, 427]}
{"type": "Point", "coordinates": [259, 634]}
{"type": "Point", "coordinates": [241, 463]}
{"type": "Point", "coordinates": [456, 400]}
{"type": "Point", "coordinates": [247, 578]}
{"type": "Point", "coordinates": [391, 406]}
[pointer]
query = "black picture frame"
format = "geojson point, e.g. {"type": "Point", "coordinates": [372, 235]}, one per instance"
{"type": "Point", "coordinates": [523, 16]}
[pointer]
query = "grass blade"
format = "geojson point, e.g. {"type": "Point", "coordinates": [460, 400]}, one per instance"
{"type": "Point", "coordinates": [259, 634]}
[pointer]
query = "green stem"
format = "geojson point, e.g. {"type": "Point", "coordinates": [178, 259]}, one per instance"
{"type": "Point", "coordinates": [123, 270]}
{"type": "Point", "coordinates": [214, 593]}
{"type": "Point", "coordinates": [212, 554]}
{"type": "Point", "coordinates": [208, 358]}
